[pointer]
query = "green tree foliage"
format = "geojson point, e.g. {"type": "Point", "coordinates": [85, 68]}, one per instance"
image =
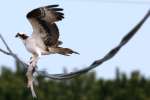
{"type": "Point", "coordinates": [84, 87]}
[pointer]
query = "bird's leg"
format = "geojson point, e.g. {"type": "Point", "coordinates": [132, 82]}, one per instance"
{"type": "Point", "coordinates": [35, 59]}
{"type": "Point", "coordinates": [31, 59]}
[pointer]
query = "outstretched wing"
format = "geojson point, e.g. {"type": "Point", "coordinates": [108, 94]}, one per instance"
{"type": "Point", "coordinates": [43, 23]}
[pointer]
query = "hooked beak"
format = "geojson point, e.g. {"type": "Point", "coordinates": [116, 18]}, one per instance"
{"type": "Point", "coordinates": [17, 35]}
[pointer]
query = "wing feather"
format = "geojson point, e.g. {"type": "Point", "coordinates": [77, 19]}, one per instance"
{"type": "Point", "coordinates": [43, 23]}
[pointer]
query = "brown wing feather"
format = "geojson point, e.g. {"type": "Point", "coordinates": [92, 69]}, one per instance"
{"type": "Point", "coordinates": [52, 39]}
{"type": "Point", "coordinates": [43, 22]}
{"type": "Point", "coordinates": [48, 13]}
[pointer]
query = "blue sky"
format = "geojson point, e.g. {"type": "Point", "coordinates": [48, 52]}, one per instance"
{"type": "Point", "coordinates": [90, 27]}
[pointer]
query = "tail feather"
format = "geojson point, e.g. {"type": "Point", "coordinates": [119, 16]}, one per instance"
{"type": "Point", "coordinates": [64, 51]}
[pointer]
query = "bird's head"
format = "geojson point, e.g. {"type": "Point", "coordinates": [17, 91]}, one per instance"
{"type": "Point", "coordinates": [21, 35]}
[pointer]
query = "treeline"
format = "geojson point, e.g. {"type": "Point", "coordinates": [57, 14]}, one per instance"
{"type": "Point", "coordinates": [84, 87]}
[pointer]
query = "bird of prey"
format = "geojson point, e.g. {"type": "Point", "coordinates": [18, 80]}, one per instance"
{"type": "Point", "coordinates": [44, 39]}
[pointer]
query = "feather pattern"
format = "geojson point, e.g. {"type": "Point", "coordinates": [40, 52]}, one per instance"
{"type": "Point", "coordinates": [43, 23]}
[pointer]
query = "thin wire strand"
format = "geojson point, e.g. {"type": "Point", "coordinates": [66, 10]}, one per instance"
{"type": "Point", "coordinates": [125, 1]}
{"type": "Point", "coordinates": [135, 2]}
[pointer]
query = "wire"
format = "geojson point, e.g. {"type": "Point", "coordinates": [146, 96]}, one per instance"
{"type": "Point", "coordinates": [141, 2]}
{"type": "Point", "coordinates": [98, 62]}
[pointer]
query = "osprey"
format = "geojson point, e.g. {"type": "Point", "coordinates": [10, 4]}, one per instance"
{"type": "Point", "coordinates": [44, 39]}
